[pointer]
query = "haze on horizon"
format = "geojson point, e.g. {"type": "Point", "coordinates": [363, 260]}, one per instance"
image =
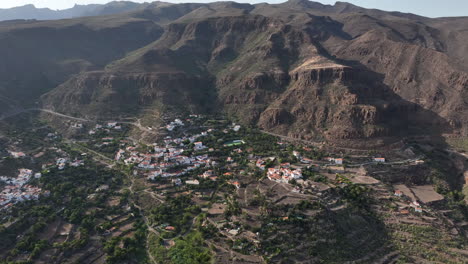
{"type": "Point", "coordinates": [429, 8]}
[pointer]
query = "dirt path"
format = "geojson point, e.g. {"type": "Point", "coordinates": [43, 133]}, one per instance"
{"type": "Point", "coordinates": [132, 182]}
{"type": "Point", "coordinates": [101, 158]}
{"type": "Point", "coordinates": [20, 111]}
{"type": "Point", "coordinates": [145, 220]}
{"type": "Point", "coordinates": [148, 251]}
{"type": "Point", "coordinates": [154, 196]}
{"type": "Point", "coordinates": [315, 144]}
{"type": "Point", "coordinates": [139, 126]}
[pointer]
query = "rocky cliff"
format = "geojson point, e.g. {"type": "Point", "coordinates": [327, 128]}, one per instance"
{"type": "Point", "coordinates": [423, 76]}
{"type": "Point", "coordinates": [335, 73]}
{"type": "Point", "coordinates": [38, 56]}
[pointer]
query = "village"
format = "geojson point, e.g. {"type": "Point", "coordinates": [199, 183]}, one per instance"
{"type": "Point", "coordinates": [17, 189]}
{"type": "Point", "coordinates": [202, 163]}
{"type": "Point", "coordinates": [185, 160]}
{"type": "Point", "coordinates": [221, 176]}
{"type": "Point", "coordinates": [170, 160]}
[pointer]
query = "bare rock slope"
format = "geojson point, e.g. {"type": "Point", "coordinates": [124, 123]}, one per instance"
{"type": "Point", "coordinates": [300, 68]}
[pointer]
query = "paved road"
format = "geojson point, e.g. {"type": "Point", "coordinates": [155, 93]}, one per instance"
{"type": "Point", "coordinates": [386, 163]}
{"type": "Point", "coordinates": [20, 111]}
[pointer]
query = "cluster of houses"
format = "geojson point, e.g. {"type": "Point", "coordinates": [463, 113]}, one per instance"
{"type": "Point", "coordinates": [17, 189]}
{"type": "Point", "coordinates": [176, 123]}
{"type": "Point", "coordinates": [169, 159]}
{"type": "Point", "coordinates": [261, 162]}
{"type": "Point", "coordinates": [284, 173]}
{"type": "Point", "coordinates": [107, 127]}
{"type": "Point", "coordinates": [165, 157]}
{"type": "Point", "coordinates": [61, 163]}
{"type": "Point", "coordinates": [77, 125]}
{"type": "Point", "coordinates": [209, 174]}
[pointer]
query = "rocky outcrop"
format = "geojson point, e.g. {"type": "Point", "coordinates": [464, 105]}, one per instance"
{"type": "Point", "coordinates": [419, 75]}
{"type": "Point", "coordinates": [321, 75]}
{"type": "Point", "coordinates": [341, 77]}
{"type": "Point", "coordinates": [330, 103]}
{"type": "Point", "coordinates": [102, 94]}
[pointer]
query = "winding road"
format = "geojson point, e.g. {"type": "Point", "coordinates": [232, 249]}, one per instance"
{"type": "Point", "coordinates": [21, 111]}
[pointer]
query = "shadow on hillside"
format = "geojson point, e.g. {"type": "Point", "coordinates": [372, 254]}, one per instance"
{"type": "Point", "coordinates": [408, 120]}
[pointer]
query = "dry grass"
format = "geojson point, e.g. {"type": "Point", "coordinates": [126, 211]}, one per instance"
{"type": "Point", "coordinates": [460, 144]}
{"type": "Point", "coordinates": [426, 193]}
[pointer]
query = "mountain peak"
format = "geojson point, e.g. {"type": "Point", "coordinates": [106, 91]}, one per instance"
{"type": "Point", "coordinates": [305, 3]}
{"type": "Point", "coordinates": [28, 6]}
{"type": "Point", "coordinates": [32, 12]}
{"type": "Point", "coordinates": [346, 7]}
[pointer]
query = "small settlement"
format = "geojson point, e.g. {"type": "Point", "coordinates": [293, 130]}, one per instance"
{"type": "Point", "coordinates": [17, 189]}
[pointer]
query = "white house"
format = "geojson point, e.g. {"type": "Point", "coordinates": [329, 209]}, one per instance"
{"type": "Point", "coordinates": [379, 160]}
{"type": "Point", "coordinates": [177, 182]}
{"type": "Point", "coordinates": [198, 145]}
{"type": "Point", "coordinates": [192, 182]}
{"type": "Point", "coordinates": [178, 122]}
{"type": "Point", "coordinates": [17, 154]}
{"type": "Point", "coordinates": [297, 154]}
{"type": "Point", "coordinates": [207, 174]}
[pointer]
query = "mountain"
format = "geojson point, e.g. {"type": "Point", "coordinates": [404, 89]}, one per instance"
{"type": "Point", "coordinates": [31, 12]}
{"type": "Point", "coordinates": [37, 56]}
{"type": "Point", "coordinates": [336, 73]}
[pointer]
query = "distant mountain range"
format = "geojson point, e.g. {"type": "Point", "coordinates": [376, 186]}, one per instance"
{"type": "Point", "coordinates": [338, 73]}
{"type": "Point", "coordinates": [31, 12]}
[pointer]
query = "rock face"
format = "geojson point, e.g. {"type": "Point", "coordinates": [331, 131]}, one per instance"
{"type": "Point", "coordinates": [38, 56]}
{"type": "Point", "coordinates": [420, 75]}
{"type": "Point", "coordinates": [337, 73]}
{"type": "Point", "coordinates": [336, 103]}
{"type": "Point", "coordinates": [106, 94]}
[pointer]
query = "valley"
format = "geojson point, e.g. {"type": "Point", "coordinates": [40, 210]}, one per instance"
{"type": "Point", "coordinates": [207, 190]}
{"type": "Point", "coordinates": [228, 132]}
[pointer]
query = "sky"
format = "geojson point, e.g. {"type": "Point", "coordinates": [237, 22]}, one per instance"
{"type": "Point", "coordinates": [429, 8]}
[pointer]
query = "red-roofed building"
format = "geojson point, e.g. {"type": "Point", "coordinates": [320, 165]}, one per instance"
{"type": "Point", "coordinates": [236, 183]}
{"type": "Point", "coordinates": [380, 160]}
{"type": "Point", "coordinates": [169, 228]}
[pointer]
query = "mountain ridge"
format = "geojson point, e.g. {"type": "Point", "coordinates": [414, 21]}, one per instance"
{"type": "Point", "coordinates": [29, 11]}
{"type": "Point", "coordinates": [299, 68]}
